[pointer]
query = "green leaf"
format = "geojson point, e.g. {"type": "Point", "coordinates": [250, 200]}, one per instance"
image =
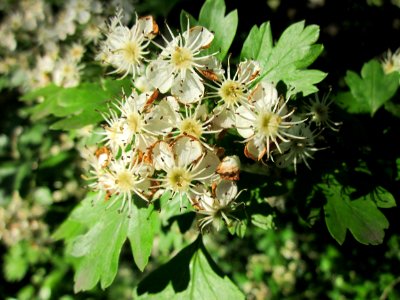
{"type": "Point", "coordinates": [264, 222]}
{"type": "Point", "coordinates": [15, 263]}
{"type": "Point", "coordinates": [258, 43]}
{"type": "Point", "coordinates": [382, 198]}
{"type": "Point", "coordinates": [288, 59]}
{"type": "Point", "coordinates": [191, 274]}
{"type": "Point", "coordinates": [78, 106]}
{"type": "Point", "coordinates": [212, 16]}
{"type": "Point", "coordinates": [360, 216]}
{"type": "Point", "coordinates": [99, 248]}
{"type": "Point", "coordinates": [393, 108]}
{"type": "Point", "coordinates": [143, 225]}
{"type": "Point", "coordinates": [371, 90]}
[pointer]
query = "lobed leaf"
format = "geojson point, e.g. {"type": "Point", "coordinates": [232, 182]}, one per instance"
{"type": "Point", "coordinates": [191, 274]}
{"type": "Point", "coordinates": [288, 59]}
{"type": "Point", "coordinates": [360, 216]}
{"type": "Point", "coordinates": [212, 16]}
{"type": "Point", "coordinates": [369, 91]}
{"type": "Point", "coordinates": [99, 248]}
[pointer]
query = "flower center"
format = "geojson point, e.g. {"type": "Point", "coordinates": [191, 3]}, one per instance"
{"type": "Point", "coordinates": [131, 52]}
{"type": "Point", "coordinates": [182, 58]}
{"type": "Point", "coordinates": [179, 179]}
{"type": "Point", "coordinates": [320, 113]}
{"type": "Point", "coordinates": [125, 181]}
{"type": "Point", "coordinates": [231, 92]}
{"type": "Point", "coordinates": [268, 123]}
{"type": "Point", "coordinates": [134, 122]}
{"type": "Point", "coordinates": [191, 127]}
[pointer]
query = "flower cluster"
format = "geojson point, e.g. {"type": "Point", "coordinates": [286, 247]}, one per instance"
{"type": "Point", "coordinates": [164, 136]}
{"type": "Point", "coordinates": [45, 43]}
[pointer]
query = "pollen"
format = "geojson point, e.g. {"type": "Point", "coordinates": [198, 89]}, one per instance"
{"type": "Point", "coordinates": [135, 122]}
{"type": "Point", "coordinates": [131, 52]}
{"type": "Point", "coordinates": [182, 58]}
{"type": "Point", "coordinates": [191, 127]}
{"type": "Point", "coordinates": [179, 179]}
{"type": "Point", "coordinates": [125, 181]}
{"type": "Point", "coordinates": [231, 92]}
{"type": "Point", "coordinates": [268, 124]}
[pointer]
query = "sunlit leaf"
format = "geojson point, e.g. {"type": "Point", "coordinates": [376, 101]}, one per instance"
{"type": "Point", "coordinates": [191, 274]}
{"type": "Point", "coordinates": [288, 59]}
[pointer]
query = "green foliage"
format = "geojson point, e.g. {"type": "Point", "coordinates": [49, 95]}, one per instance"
{"type": "Point", "coordinates": [78, 106]}
{"type": "Point", "coordinates": [369, 91]}
{"type": "Point", "coordinates": [212, 16]}
{"type": "Point", "coordinates": [288, 59]}
{"type": "Point", "coordinates": [99, 248]}
{"type": "Point", "coordinates": [191, 274]}
{"type": "Point", "coordinates": [361, 216]}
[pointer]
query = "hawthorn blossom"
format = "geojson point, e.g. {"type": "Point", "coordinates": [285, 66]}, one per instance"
{"type": "Point", "coordinates": [298, 150]}
{"type": "Point", "coordinates": [217, 204]}
{"type": "Point", "coordinates": [195, 121]}
{"type": "Point", "coordinates": [319, 111]}
{"type": "Point", "coordinates": [178, 66]}
{"type": "Point", "coordinates": [391, 62]}
{"type": "Point", "coordinates": [125, 48]}
{"type": "Point", "coordinates": [263, 123]}
{"type": "Point", "coordinates": [183, 162]}
{"type": "Point", "coordinates": [126, 178]}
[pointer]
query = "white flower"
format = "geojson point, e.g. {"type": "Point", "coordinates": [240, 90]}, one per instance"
{"type": "Point", "coordinates": [233, 92]}
{"type": "Point", "coordinates": [75, 52]}
{"type": "Point", "coordinates": [65, 25]}
{"type": "Point", "coordinates": [319, 111]}
{"type": "Point", "coordinates": [113, 131]}
{"type": "Point", "coordinates": [216, 205]}
{"type": "Point", "coordinates": [141, 122]}
{"type": "Point", "coordinates": [175, 68]}
{"type": "Point", "coordinates": [296, 151]}
{"type": "Point", "coordinates": [391, 62]}
{"type": "Point", "coordinates": [184, 162]}
{"type": "Point", "coordinates": [264, 123]}
{"type": "Point", "coordinates": [66, 73]}
{"type": "Point", "coordinates": [125, 48]}
{"type": "Point", "coordinates": [195, 123]}
{"type": "Point", "coordinates": [126, 178]}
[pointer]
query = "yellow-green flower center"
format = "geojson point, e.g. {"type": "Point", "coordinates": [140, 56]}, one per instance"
{"type": "Point", "coordinates": [182, 58]}
{"type": "Point", "coordinates": [131, 52]}
{"type": "Point", "coordinates": [231, 92]}
{"type": "Point", "coordinates": [135, 122]}
{"type": "Point", "coordinates": [179, 179]}
{"type": "Point", "coordinates": [268, 124]}
{"type": "Point", "coordinates": [192, 127]}
{"type": "Point", "coordinates": [125, 181]}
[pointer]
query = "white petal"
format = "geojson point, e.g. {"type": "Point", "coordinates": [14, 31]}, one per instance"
{"type": "Point", "coordinates": [162, 155]}
{"type": "Point", "coordinates": [244, 121]}
{"type": "Point", "coordinates": [208, 166]}
{"type": "Point", "coordinates": [198, 37]}
{"type": "Point", "coordinates": [248, 70]}
{"type": "Point", "coordinates": [253, 152]}
{"type": "Point", "coordinates": [147, 26]}
{"type": "Point", "coordinates": [226, 191]}
{"type": "Point", "coordinates": [188, 90]}
{"type": "Point", "coordinates": [224, 118]}
{"type": "Point", "coordinates": [266, 95]}
{"type": "Point", "coordinates": [159, 74]}
{"type": "Point", "coordinates": [187, 150]}
{"type": "Point", "coordinates": [163, 118]}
